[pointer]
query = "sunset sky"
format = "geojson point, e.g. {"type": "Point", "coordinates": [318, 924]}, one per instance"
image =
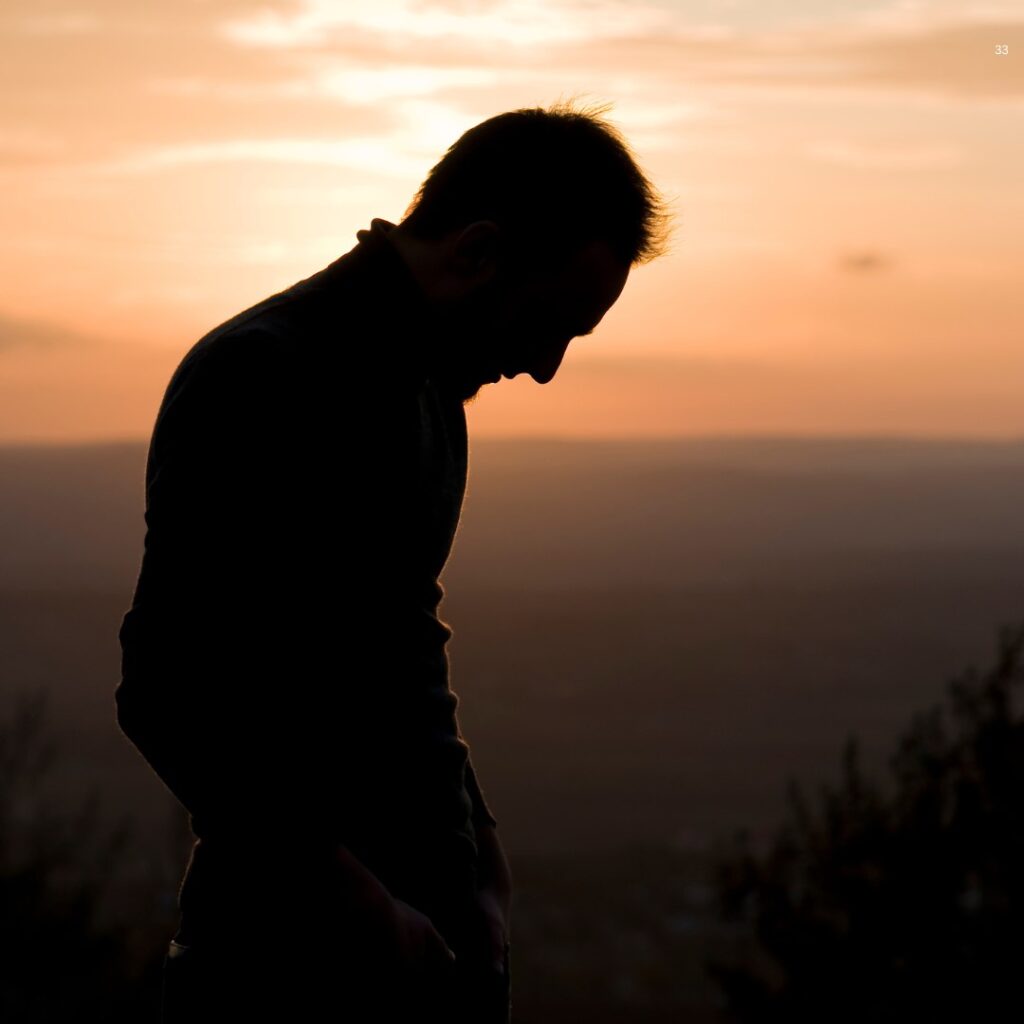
{"type": "Point", "coordinates": [848, 250]}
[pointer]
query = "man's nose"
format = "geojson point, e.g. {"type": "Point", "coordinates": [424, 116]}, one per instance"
{"type": "Point", "coordinates": [546, 366]}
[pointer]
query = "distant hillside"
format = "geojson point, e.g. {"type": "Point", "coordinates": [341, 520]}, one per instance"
{"type": "Point", "coordinates": [552, 513]}
{"type": "Point", "coordinates": [648, 637]}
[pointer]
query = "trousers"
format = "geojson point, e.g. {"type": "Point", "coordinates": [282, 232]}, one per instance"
{"type": "Point", "coordinates": [264, 981]}
{"type": "Point", "coordinates": [312, 967]}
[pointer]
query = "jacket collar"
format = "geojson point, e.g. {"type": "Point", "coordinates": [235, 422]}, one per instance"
{"type": "Point", "coordinates": [400, 302]}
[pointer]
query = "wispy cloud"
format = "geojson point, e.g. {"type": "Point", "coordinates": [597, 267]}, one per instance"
{"type": "Point", "coordinates": [894, 157]}
{"type": "Point", "coordinates": [508, 22]}
{"type": "Point", "coordinates": [38, 335]}
{"type": "Point", "coordinates": [373, 84]}
{"type": "Point", "coordinates": [349, 83]}
{"type": "Point", "coordinates": [867, 261]}
{"type": "Point", "coordinates": [905, 46]}
{"type": "Point", "coordinates": [67, 23]}
{"type": "Point", "coordinates": [949, 59]}
{"type": "Point", "coordinates": [28, 145]}
{"type": "Point", "coordinates": [365, 154]}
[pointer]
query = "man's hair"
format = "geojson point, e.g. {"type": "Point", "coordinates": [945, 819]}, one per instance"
{"type": "Point", "coordinates": [553, 180]}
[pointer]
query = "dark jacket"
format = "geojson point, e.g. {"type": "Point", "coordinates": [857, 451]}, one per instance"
{"type": "Point", "coordinates": [284, 668]}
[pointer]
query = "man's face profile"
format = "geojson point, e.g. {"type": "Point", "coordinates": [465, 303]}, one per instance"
{"type": "Point", "coordinates": [520, 319]}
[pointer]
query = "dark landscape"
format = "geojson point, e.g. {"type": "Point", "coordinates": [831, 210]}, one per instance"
{"type": "Point", "coordinates": [650, 639]}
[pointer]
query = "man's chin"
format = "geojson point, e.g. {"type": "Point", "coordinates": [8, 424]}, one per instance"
{"type": "Point", "coordinates": [472, 391]}
{"type": "Point", "coordinates": [464, 387]}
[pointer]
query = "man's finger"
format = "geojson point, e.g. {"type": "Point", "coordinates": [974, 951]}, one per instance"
{"type": "Point", "coordinates": [443, 952]}
{"type": "Point", "coordinates": [499, 946]}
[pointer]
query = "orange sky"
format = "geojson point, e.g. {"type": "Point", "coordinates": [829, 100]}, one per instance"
{"type": "Point", "coordinates": [848, 249]}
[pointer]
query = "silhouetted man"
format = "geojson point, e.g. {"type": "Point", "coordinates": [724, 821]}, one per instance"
{"type": "Point", "coordinates": [285, 670]}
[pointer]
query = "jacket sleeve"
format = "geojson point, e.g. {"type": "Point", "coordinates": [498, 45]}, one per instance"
{"type": "Point", "coordinates": [481, 812]}
{"type": "Point", "coordinates": [271, 556]}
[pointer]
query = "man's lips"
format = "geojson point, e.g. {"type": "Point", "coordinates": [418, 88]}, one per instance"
{"type": "Point", "coordinates": [497, 372]}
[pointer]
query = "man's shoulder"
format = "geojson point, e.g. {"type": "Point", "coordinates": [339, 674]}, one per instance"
{"type": "Point", "coordinates": [229, 357]}
{"type": "Point", "coordinates": [324, 343]}
{"type": "Point", "coordinates": [279, 326]}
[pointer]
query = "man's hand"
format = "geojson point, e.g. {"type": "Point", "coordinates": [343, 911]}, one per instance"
{"type": "Point", "coordinates": [390, 930]}
{"type": "Point", "coordinates": [420, 945]}
{"type": "Point", "coordinates": [494, 891]}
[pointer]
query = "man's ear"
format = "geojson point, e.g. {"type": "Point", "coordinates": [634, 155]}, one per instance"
{"type": "Point", "coordinates": [477, 251]}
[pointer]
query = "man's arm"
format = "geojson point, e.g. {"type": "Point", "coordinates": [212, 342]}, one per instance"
{"type": "Point", "coordinates": [481, 812]}
{"type": "Point", "coordinates": [243, 689]}
{"type": "Point", "coordinates": [494, 876]}
{"type": "Point", "coordinates": [275, 542]}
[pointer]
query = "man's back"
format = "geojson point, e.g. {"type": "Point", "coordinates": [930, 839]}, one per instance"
{"type": "Point", "coordinates": [284, 668]}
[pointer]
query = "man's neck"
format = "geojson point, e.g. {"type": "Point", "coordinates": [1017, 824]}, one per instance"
{"type": "Point", "coordinates": [452, 325]}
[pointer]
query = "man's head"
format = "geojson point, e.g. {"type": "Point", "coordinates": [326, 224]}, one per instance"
{"type": "Point", "coordinates": [522, 237]}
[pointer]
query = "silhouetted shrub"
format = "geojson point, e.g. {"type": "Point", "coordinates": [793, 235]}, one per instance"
{"type": "Point", "coordinates": [58, 962]}
{"type": "Point", "coordinates": [904, 905]}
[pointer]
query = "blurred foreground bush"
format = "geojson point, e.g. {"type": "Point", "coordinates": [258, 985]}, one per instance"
{"type": "Point", "coordinates": [61, 961]}
{"type": "Point", "coordinates": [905, 906]}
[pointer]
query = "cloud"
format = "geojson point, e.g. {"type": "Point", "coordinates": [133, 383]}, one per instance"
{"type": "Point", "coordinates": [865, 261]}
{"type": "Point", "coordinates": [365, 53]}
{"type": "Point", "coordinates": [949, 59]}
{"type": "Point", "coordinates": [512, 23]}
{"type": "Point", "coordinates": [891, 157]}
{"type": "Point", "coordinates": [365, 154]}
{"type": "Point", "coordinates": [67, 23]}
{"type": "Point", "coordinates": [29, 145]}
{"type": "Point", "coordinates": [38, 335]}
{"type": "Point", "coordinates": [922, 49]}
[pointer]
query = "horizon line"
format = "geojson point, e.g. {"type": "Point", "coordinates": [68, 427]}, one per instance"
{"type": "Point", "coordinates": [902, 437]}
